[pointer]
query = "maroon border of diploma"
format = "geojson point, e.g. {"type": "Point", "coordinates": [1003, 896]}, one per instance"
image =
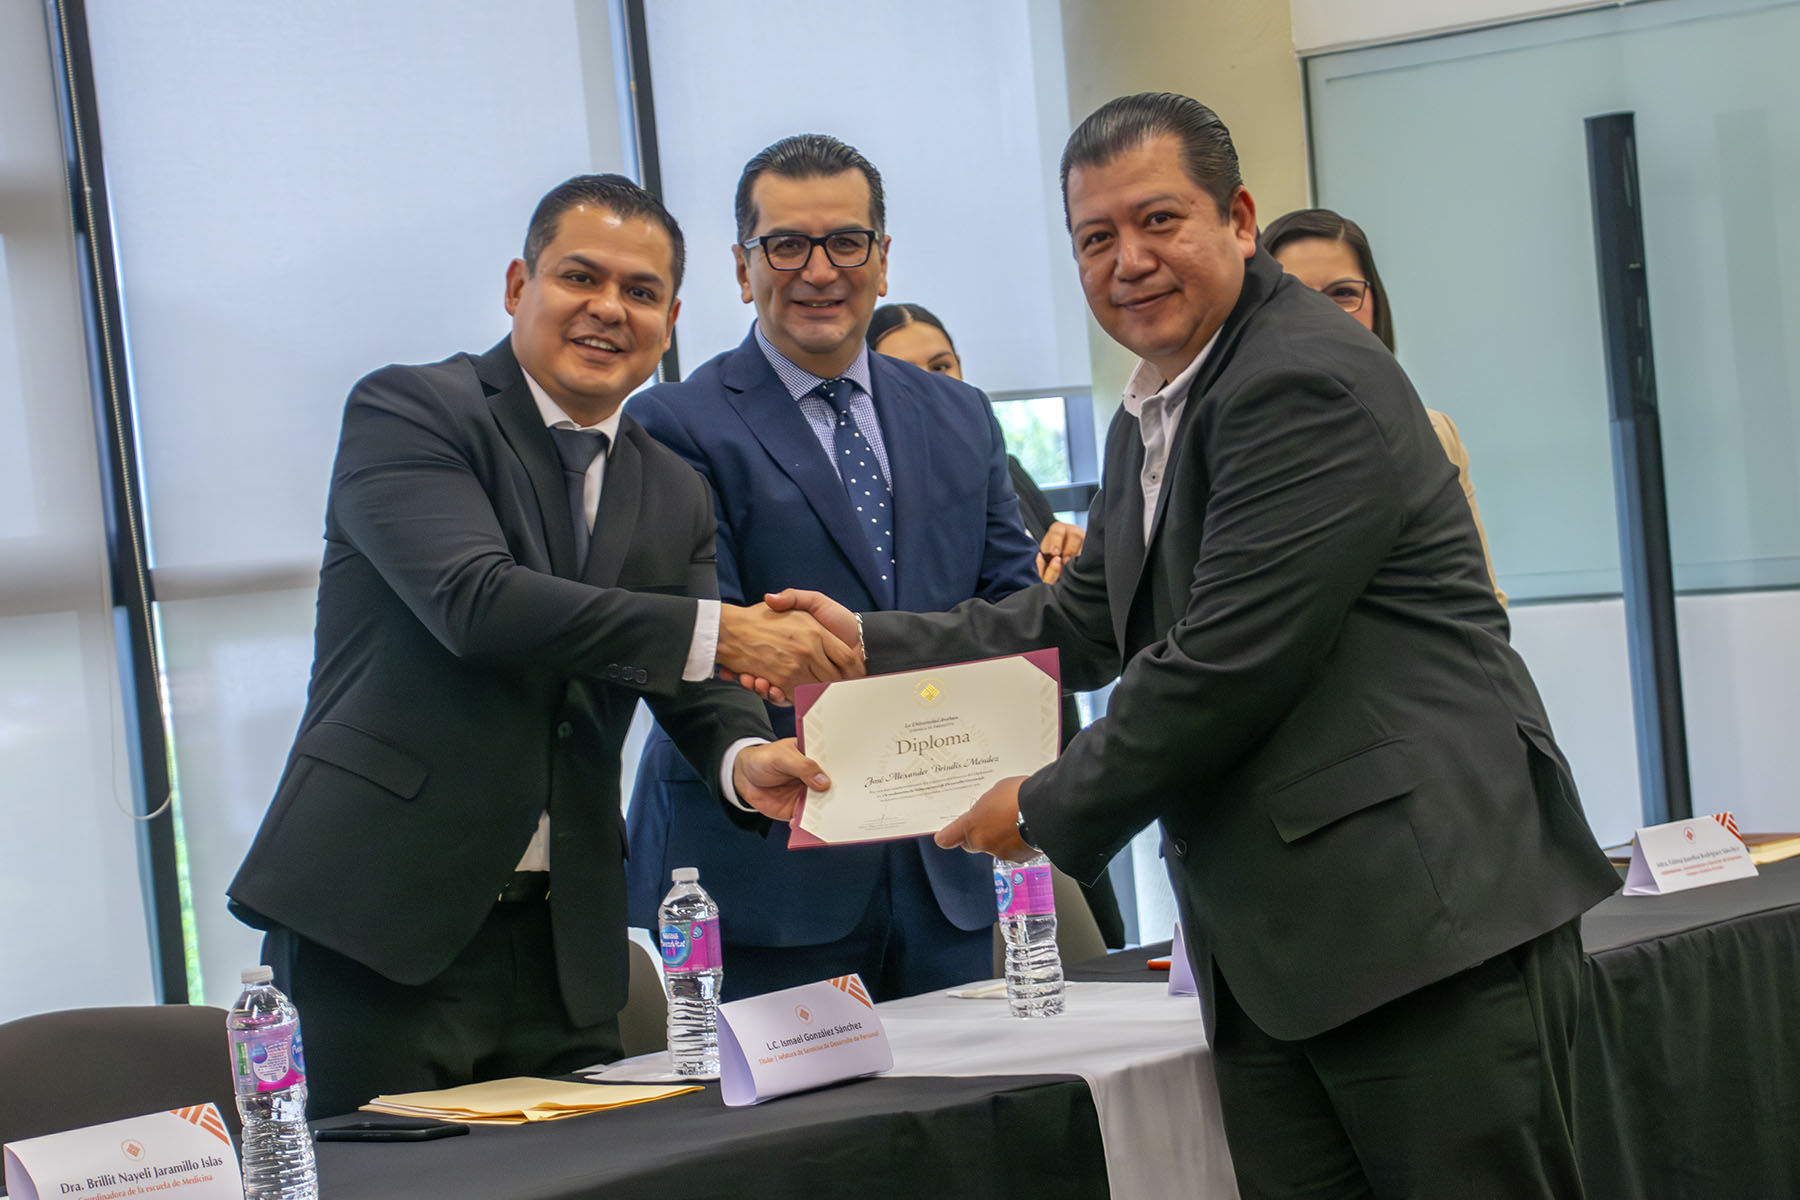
{"type": "Point", "coordinates": [808, 694]}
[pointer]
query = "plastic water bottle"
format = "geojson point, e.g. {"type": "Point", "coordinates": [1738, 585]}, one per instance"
{"type": "Point", "coordinates": [1027, 901]}
{"type": "Point", "coordinates": [269, 1067]}
{"type": "Point", "coordinates": [694, 966]}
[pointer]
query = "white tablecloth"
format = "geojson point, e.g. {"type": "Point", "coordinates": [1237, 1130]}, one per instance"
{"type": "Point", "coordinates": [1141, 1050]}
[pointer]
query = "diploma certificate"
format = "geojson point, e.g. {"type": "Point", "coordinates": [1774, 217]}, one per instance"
{"type": "Point", "coordinates": [908, 753]}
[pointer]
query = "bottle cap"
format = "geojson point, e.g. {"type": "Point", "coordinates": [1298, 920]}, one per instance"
{"type": "Point", "coordinates": [257, 974]}
{"type": "Point", "coordinates": [685, 875]}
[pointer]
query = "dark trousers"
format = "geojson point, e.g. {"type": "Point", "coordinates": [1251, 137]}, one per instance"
{"type": "Point", "coordinates": [1460, 1089]}
{"type": "Point", "coordinates": [904, 945]}
{"type": "Point", "coordinates": [495, 1012]}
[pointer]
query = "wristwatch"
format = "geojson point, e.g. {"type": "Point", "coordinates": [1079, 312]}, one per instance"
{"type": "Point", "coordinates": [1025, 834]}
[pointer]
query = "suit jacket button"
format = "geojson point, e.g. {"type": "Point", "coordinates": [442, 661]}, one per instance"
{"type": "Point", "coordinates": [565, 730]}
{"type": "Point", "coordinates": [1178, 847]}
{"type": "Point", "coordinates": [612, 670]}
{"type": "Point", "coordinates": [641, 675]}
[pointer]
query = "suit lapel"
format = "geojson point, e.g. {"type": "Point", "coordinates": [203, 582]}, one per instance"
{"type": "Point", "coordinates": [1178, 460]}
{"type": "Point", "coordinates": [908, 446]}
{"type": "Point", "coordinates": [775, 420]}
{"type": "Point", "coordinates": [1261, 274]}
{"type": "Point", "coordinates": [621, 499]}
{"type": "Point", "coordinates": [1123, 518]}
{"type": "Point", "coordinates": [523, 427]}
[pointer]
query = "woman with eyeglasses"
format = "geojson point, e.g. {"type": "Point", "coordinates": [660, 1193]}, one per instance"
{"type": "Point", "coordinates": [1330, 253]}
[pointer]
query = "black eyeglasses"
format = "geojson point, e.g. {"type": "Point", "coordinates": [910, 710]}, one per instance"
{"type": "Point", "coordinates": [844, 248]}
{"type": "Point", "coordinates": [1347, 294]}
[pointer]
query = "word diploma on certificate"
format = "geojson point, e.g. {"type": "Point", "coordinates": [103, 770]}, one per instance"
{"type": "Point", "coordinates": [910, 752]}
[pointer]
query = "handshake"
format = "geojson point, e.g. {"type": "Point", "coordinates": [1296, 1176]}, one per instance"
{"type": "Point", "coordinates": [792, 637]}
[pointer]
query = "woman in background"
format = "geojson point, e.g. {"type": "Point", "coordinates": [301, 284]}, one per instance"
{"type": "Point", "coordinates": [912, 333]}
{"type": "Point", "coordinates": [1330, 253]}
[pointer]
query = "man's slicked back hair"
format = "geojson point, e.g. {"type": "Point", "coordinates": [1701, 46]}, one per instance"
{"type": "Point", "coordinates": [807, 156]}
{"type": "Point", "coordinates": [1117, 126]}
{"type": "Point", "coordinates": [614, 193]}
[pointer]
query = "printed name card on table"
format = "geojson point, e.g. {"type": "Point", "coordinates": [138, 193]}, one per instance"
{"type": "Point", "coordinates": [802, 1037]}
{"type": "Point", "coordinates": [185, 1152]}
{"type": "Point", "coordinates": [1181, 971]}
{"type": "Point", "coordinates": [1687, 854]}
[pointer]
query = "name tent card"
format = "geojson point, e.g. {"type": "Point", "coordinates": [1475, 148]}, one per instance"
{"type": "Point", "coordinates": [1181, 971]}
{"type": "Point", "coordinates": [185, 1152]}
{"type": "Point", "coordinates": [799, 1038]}
{"type": "Point", "coordinates": [1687, 854]}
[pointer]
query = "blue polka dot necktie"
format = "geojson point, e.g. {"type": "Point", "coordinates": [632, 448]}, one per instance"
{"type": "Point", "coordinates": [870, 498]}
{"type": "Point", "coordinates": [578, 448]}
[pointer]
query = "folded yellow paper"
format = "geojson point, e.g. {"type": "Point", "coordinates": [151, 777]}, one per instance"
{"type": "Point", "coordinates": [1771, 847]}
{"type": "Point", "coordinates": [518, 1100]}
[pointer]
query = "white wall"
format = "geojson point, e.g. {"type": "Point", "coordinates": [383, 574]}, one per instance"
{"type": "Point", "coordinates": [1336, 25]}
{"type": "Point", "coordinates": [1463, 158]}
{"type": "Point", "coordinates": [301, 195]}
{"type": "Point", "coordinates": [961, 107]}
{"type": "Point", "coordinates": [72, 926]}
{"type": "Point", "coordinates": [1740, 664]}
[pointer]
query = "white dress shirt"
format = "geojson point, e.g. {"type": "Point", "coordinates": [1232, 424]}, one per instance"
{"type": "Point", "coordinates": [1158, 407]}
{"type": "Point", "coordinates": [703, 650]}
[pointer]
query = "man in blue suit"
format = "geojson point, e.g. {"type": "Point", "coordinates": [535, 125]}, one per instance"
{"type": "Point", "coordinates": [860, 476]}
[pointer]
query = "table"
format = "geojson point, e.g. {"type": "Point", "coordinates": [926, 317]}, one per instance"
{"type": "Point", "coordinates": [1142, 1052]}
{"type": "Point", "coordinates": [1687, 1088]}
{"type": "Point", "coordinates": [1018, 1138]}
{"type": "Point", "coordinates": [1687, 1068]}
{"type": "Point", "coordinates": [1687, 1058]}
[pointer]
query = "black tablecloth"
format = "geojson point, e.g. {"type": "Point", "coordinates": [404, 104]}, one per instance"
{"type": "Point", "coordinates": [1688, 1068]}
{"type": "Point", "coordinates": [1033, 1137]}
{"type": "Point", "coordinates": [1687, 1078]}
{"type": "Point", "coordinates": [1687, 1063]}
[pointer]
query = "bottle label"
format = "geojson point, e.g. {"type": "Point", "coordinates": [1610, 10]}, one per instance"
{"type": "Point", "coordinates": [692, 945]}
{"type": "Point", "coordinates": [269, 1059]}
{"type": "Point", "coordinates": [1024, 891]}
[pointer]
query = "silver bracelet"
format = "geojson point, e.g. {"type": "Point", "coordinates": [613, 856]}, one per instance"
{"type": "Point", "coordinates": [862, 646]}
{"type": "Point", "coordinates": [1025, 835]}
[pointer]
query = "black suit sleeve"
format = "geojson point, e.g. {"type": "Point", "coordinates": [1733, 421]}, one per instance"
{"type": "Point", "coordinates": [1034, 507]}
{"type": "Point", "coordinates": [1009, 555]}
{"type": "Point", "coordinates": [1071, 615]}
{"type": "Point", "coordinates": [660, 421]}
{"type": "Point", "coordinates": [704, 719]}
{"type": "Point", "coordinates": [410, 492]}
{"type": "Point", "coordinates": [1302, 508]}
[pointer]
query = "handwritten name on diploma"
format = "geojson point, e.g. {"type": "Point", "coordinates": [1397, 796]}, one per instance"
{"type": "Point", "coordinates": [909, 752]}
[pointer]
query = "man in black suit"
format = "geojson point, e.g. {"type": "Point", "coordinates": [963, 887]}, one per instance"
{"type": "Point", "coordinates": [511, 564]}
{"type": "Point", "coordinates": [1376, 846]}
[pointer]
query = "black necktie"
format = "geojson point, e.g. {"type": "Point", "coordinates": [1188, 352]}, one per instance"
{"type": "Point", "coordinates": [578, 449]}
{"type": "Point", "coordinates": [870, 496]}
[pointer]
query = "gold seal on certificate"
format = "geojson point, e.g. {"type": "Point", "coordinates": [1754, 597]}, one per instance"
{"type": "Point", "coordinates": [909, 752]}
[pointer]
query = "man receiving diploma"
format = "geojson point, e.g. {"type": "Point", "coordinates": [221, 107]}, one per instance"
{"type": "Point", "coordinates": [1375, 843]}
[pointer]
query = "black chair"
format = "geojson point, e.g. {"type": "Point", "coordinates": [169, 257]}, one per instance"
{"type": "Point", "coordinates": [644, 1021]}
{"type": "Point", "coordinates": [86, 1066]}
